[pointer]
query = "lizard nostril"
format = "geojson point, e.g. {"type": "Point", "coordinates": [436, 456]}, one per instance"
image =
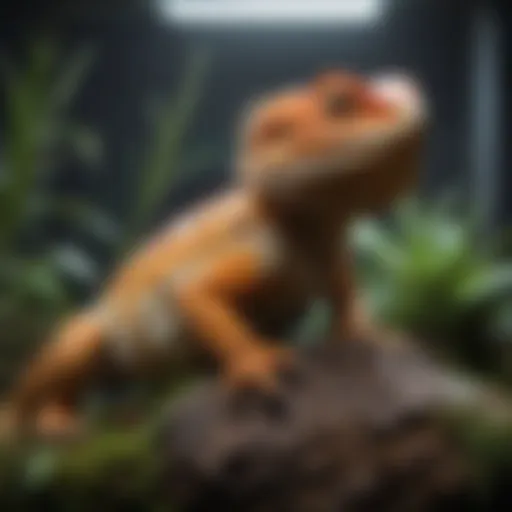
{"type": "Point", "coordinates": [276, 131]}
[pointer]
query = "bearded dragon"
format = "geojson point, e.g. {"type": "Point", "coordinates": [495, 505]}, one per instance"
{"type": "Point", "coordinates": [230, 270]}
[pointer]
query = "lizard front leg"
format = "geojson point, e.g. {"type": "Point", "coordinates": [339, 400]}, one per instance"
{"type": "Point", "coordinates": [351, 316]}
{"type": "Point", "coordinates": [209, 301]}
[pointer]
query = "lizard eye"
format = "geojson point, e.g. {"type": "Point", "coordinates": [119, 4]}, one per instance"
{"type": "Point", "coordinates": [340, 104]}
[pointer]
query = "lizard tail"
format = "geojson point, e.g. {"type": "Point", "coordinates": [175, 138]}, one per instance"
{"type": "Point", "coordinates": [57, 373]}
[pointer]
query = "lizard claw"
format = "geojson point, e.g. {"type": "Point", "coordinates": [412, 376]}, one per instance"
{"type": "Point", "coordinates": [256, 377]}
{"type": "Point", "coordinates": [58, 422]}
{"type": "Point", "coordinates": [9, 426]}
{"type": "Point", "coordinates": [260, 369]}
{"type": "Point", "coordinates": [50, 423]}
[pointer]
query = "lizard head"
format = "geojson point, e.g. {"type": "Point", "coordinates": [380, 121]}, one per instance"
{"type": "Point", "coordinates": [338, 140]}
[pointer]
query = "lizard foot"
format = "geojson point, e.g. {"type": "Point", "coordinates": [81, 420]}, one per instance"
{"type": "Point", "coordinates": [9, 424]}
{"type": "Point", "coordinates": [255, 378]}
{"type": "Point", "coordinates": [57, 422]}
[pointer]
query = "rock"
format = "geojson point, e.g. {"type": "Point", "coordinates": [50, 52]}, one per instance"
{"type": "Point", "coordinates": [361, 430]}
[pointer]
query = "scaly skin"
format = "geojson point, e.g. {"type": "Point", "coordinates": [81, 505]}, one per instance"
{"type": "Point", "coordinates": [309, 159]}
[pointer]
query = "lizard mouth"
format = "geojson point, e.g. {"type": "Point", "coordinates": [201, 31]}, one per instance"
{"type": "Point", "coordinates": [406, 95]}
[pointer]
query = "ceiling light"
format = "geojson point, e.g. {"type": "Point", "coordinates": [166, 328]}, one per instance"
{"type": "Point", "coordinates": [271, 12]}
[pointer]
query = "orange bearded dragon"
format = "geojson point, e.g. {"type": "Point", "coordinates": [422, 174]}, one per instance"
{"type": "Point", "coordinates": [308, 159]}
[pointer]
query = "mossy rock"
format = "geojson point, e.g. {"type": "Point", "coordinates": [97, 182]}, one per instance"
{"type": "Point", "coordinates": [368, 426]}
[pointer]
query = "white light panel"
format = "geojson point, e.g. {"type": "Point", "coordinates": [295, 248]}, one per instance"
{"type": "Point", "coordinates": [271, 12]}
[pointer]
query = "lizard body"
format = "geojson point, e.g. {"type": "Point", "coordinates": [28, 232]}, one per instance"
{"type": "Point", "coordinates": [229, 270]}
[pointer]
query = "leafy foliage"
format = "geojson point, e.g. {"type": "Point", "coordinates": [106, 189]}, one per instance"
{"type": "Point", "coordinates": [165, 154]}
{"type": "Point", "coordinates": [37, 132]}
{"type": "Point", "coordinates": [427, 272]}
{"type": "Point", "coordinates": [37, 273]}
{"type": "Point", "coordinates": [114, 469]}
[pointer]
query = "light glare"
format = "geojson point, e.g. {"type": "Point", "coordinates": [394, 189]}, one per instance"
{"type": "Point", "coordinates": [266, 12]}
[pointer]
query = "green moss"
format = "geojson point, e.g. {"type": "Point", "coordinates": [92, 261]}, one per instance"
{"type": "Point", "coordinates": [111, 469]}
{"type": "Point", "coordinates": [486, 442]}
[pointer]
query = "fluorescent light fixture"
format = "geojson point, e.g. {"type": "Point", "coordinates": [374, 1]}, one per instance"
{"type": "Point", "coordinates": [272, 12]}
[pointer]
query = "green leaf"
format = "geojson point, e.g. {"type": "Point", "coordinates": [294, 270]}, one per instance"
{"type": "Point", "coordinates": [78, 212]}
{"type": "Point", "coordinates": [164, 156]}
{"type": "Point", "coordinates": [84, 144]}
{"type": "Point", "coordinates": [75, 264]}
{"type": "Point", "coordinates": [41, 283]}
{"type": "Point", "coordinates": [313, 325]}
{"type": "Point", "coordinates": [35, 127]}
{"type": "Point", "coordinates": [500, 322]}
{"type": "Point", "coordinates": [201, 159]}
{"type": "Point", "coordinates": [40, 467]}
{"type": "Point", "coordinates": [373, 241]}
{"type": "Point", "coordinates": [489, 283]}
{"type": "Point", "coordinates": [95, 221]}
{"type": "Point", "coordinates": [71, 78]}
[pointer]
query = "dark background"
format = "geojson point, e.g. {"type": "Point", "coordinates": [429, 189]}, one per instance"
{"type": "Point", "coordinates": [141, 55]}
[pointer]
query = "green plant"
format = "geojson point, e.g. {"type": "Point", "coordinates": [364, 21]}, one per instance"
{"type": "Point", "coordinates": [165, 155]}
{"type": "Point", "coordinates": [426, 271]}
{"type": "Point", "coordinates": [112, 469]}
{"type": "Point", "coordinates": [37, 272]}
{"type": "Point", "coordinates": [115, 470]}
